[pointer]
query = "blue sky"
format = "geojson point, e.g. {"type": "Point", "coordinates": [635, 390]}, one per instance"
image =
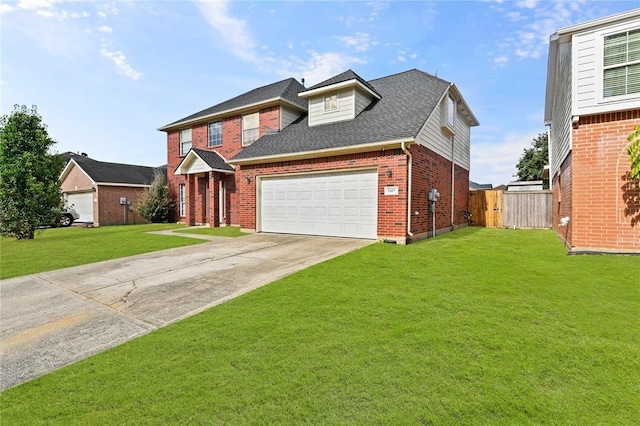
{"type": "Point", "coordinates": [106, 75]}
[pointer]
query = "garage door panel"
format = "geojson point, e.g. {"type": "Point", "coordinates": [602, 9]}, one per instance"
{"type": "Point", "coordinates": [336, 204]}
{"type": "Point", "coordinates": [83, 204]}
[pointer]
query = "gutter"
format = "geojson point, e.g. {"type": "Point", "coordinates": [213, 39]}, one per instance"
{"type": "Point", "coordinates": [409, 177]}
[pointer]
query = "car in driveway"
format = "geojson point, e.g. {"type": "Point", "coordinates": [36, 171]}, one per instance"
{"type": "Point", "coordinates": [68, 217]}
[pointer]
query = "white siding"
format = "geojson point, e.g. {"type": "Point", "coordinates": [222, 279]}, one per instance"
{"type": "Point", "coordinates": [362, 101]}
{"type": "Point", "coordinates": [587, 51]}
{"type": "Point", "coordinates": [436, 139]}
{"type": "Point", "coordinates": [584, 52]}
{"type": "Point", "coordinates": [560, 129]}
{"type": "Point", "coordinates": [345, 111]}
{"type": "Point", "coordinates": [287, 116]}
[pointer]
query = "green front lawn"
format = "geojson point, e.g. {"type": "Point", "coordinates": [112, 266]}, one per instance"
{"type": "Point", "coordinates": [57, 248]}
{"type": "Point", "coordinates": [478, 326]}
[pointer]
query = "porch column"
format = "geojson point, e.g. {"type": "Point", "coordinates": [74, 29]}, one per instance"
{"type": "Point", "coordinates": [214, 217]}
{"type": "Point", "coordinates": [191, 200]}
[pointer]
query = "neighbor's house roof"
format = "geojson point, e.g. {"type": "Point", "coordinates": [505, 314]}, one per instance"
{"type": "Point", "coordinates": [474, 185]}
{"type": "Point", "coordinates": [406, 102]}
{"type": "Point", "coordinates": [110, 173]}
{"type": "Point", "coordinates": [285, 91]}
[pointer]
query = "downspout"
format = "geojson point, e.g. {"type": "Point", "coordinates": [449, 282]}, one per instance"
{"type": "Point", "coordinates": [453, 177]}
{"type": "Point", "coordinates": [406, 151]}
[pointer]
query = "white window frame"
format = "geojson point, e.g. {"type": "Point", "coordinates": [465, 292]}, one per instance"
{"type": "Point", "coordinates": [185, 141]}
{"type": "Point", "coordinates": [217, 141]}
{"type": "Point", "coordinates": [451, 112]}
{"type": "Point", "coordinates": [250, 134]}
{"type": "Point", "coordinates": [622, 65]}
{"type": "Point", "coordinates": [182, 194]}
{"type": "Point", "coordinates": [600, 100]}
{"type": "Point", "coordinates": [331, 102]}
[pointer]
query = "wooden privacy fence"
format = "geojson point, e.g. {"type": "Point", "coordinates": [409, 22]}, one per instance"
{"type": "Point", "coordinates": [511, 209]}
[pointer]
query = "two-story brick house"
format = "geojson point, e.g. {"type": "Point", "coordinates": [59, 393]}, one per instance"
{"type": "Point", "coordinates": [345, 157]}
{"type": "Point", "coordinates": [592, 105]}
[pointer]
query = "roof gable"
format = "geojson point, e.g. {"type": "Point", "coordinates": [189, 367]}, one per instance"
{"type": "Point", "coordinates": [198, 160]}
{"type": "Point", "coordinates": [285, 90]}
{"type": "Point", "coordinates": [111, 173]}
{"type": "Point", "coordinates": [406, 101]}
{"type": "Point", "coordinates": [348, 75]}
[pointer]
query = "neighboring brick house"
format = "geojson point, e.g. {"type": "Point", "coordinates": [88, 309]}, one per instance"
{"type": "Point", "coordinates": [96, 189]}
{"type": "Point", "coordinates": [592, 105]}
{"type": "Point", "coordinates": [345, 157]}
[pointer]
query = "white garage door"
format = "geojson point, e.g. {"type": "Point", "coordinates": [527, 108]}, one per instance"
{"type": "Point", "coordinates": [82, 202]}
{"type": "Point", "coordinates": [333, 204]}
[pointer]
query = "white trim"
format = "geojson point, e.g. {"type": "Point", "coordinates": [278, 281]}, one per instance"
{"type": "Point", "coordinates": [132, 185]}
{"type": "Point", "coordinates": [179, 172]}
{"type": "Point", "coordinates": [337, 86]}
{"type": "Point", "coordinates": [598, 22]}
{"type": "Point", "coordinates": [229, 112]}
{"type": "Point", "coordinates": [351, 149]}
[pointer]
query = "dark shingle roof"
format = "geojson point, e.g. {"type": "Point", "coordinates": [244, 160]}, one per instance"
{"type": "Point", "coordinates": [345, 76]}
{"type": "Point", "coordinates": [213, 159]}
{"type": "Point", "coordinates": [102, 172]}
{"type": "Point", "coordinates": [474, 185]}
{"type": "Point", "coordinates": [286, 89]}
{"type": "Point", "coordinates": [407, 101]}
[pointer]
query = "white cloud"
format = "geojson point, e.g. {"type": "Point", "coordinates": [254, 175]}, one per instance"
{"type": "Point", "coordinates": [501, 60]}
{"type": "Point", "coordinates": [105, 29]}
{"type": "Point", "coordinates": [361, 42]}
{"type": "Point", "coordinates": [233, 31]}
{"type": "Point", "coordinates": [36, 4]}
{"type": "Point", "coordinates": [319, 67]}
{"type": "Point", "coordinates": [5, 8]}
{"type": "Point", "coordinates": [120, 61]}
{"type": "Point", "coordinates": [102, 14]}
{"type": "Point", "coordinates": [527, 4]}
{"type": "Point", "coordinates": [536, 22]}
{"type": "Point", "coordinates": [494, 161]}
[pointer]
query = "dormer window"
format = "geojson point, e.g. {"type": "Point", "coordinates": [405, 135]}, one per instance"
{"type": "Point", "coordinates": [331, 102]}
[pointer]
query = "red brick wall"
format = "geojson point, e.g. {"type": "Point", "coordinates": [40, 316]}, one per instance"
{"type": "Point", "coordinates": [431, 170]}
{"type": "Point", "coordinates": [392, 213]}
{"type": "Point", "coordinates": [111, 212]}
{"type": "Point", "coordinates": [604, 202]}
{"type": "Point", "coordinates": [231, 145]}
{"type": "Point", "coordinates": [76, 180]}
{"type": "Point", "coordinates": [562, 201]}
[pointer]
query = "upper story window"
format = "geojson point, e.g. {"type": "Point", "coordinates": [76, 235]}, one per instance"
{"type": "Point", "coordinates": [215, 133]}
{"type": "Point", "coordinates": [621, 64]}
{"type": "Point", "coordinates": [331, 102]}
{"type": "Point", "coordinates": [451, 112]}
{"type": "Point", "coordinates": [250, 128]}
{"type": "Point", "coordinates": [185, 141]}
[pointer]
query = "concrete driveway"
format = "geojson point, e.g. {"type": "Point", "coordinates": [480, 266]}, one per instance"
{"type": "Point", "coordinates": [55, 318]}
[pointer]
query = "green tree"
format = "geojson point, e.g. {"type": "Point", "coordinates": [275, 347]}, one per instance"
{"type": "Point", "coordinates": [29, 187]}
{"type": "Point", "coordinates": [634, 153]}
{"type": "Point", "coordinates": [156, 205]}
{"type": "Point", "coordinates": [533, 160]}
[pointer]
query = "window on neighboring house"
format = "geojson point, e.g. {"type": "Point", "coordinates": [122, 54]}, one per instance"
{"type": "Point", "coordinates": [250, 128]}
{"type": "Point", "coordinates": [331, 102]}
{"type": "Point", "coordinates": [621, 64]}
{"type": "Point", "coordinates": [185, 141]}
{"type": "Point", "coordinates": [215, 134]}
{"type": "Point", "coordinates": [183, 200]}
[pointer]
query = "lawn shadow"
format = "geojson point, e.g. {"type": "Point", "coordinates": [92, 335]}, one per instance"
{"type": "Point", "coordinates": [631, 197]}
